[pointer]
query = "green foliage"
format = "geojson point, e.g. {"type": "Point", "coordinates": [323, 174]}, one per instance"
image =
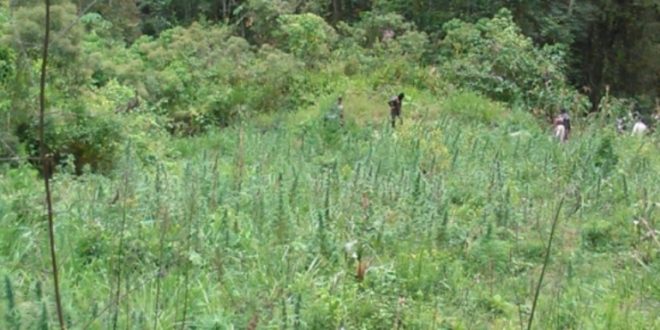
{"type": "Point", "coordinates": [122, 17]}
{"type": "Point", "coordinates": [375, 24]}
{"type": "Point", "coordinates": [7, 65]}
{"type": "Point", "coordinates": [472, 106]}
{"type": "Point", "coordinates": [88, 135]}
{"type": "Point", "coordinates": [261, 19]}
{"type": "Point", "coordinates": [605, 158]}
{"type": "Point", "coordinates": [495, 58]}
{"type": "Point", "coordinates": [616, 59]}
{"type": "Point", "coordinates": [370, 36]}
{"type": "Point", "coordinates": [277, 208]}
{"type": "Point", "coordinates": [90, 140]}
{"type": "Point", "coordinates": [598, 235]}
{"type": "Point", "coordinates": [25, 31]}
{"type": "Point", "coordinates": [306, 36]}
{"type": "Point", "coordinates": [599, 53]}
{"type": "Point", "coordinates": [201, 76]}
{"type": "Point", "coordinates": [7, 72]}
{"type": "Point", "coordinates": [12, 317]}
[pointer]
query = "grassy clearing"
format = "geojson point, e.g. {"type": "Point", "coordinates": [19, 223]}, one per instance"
{"type": "Point", "coordinates": [272, 225]}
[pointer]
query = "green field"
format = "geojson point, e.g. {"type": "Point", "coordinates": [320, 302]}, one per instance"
{"type": "Point", "coordinates": [265, 228]}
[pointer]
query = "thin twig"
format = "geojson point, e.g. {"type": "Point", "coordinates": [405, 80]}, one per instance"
{"type": "Point", "coordinates": [18, 158]}
{"type": "Point", "coordinates": [191, 218]}
{"type": "Point", "coordinates": [515, 292]}
{"type": "Point", "coordinates": [161, 247]}
{"type": "Point", "coordinates": [122, 227]}
{"type": "Point", "coordinates": [545, 263]}
{"type": "Point", "coordinates": [45, 165]}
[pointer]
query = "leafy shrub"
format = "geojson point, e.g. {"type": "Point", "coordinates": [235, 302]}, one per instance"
{"type": "Point", "coordinates": [614, 107]}
{"type": "Point", "coordinates": [273, 81]}
{"type": "Point", "coordinates": [25, 31]}
{"type": "Point", "coordinates": [492, 56]}
{"type": "Point", "coordinates": [307, 36]}
{"type": "Point", "coordinates": [201, 76]}
{"type": "Point", "coordinates": [373, 25]}
{"type": "Point", "coordinates": [7, 64]}
{"type": "Point", "coordinates": [90, 140]}
{"type": "Point", "coordinates": [605, 158]}
{"type": "Point", "coordinates": [261, 18]}
{"type": "Point", "coordinates": [386, 60]}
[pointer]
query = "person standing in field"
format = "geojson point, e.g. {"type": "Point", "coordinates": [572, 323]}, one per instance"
{"type": "Point", "coordinates": [639, 128]}
{"type": "Point", "coordinates": [566, 119]}
{"type": "Point", "coordinates": [336, 112]}
{"type": "Point", "coordinates": [562, 125]}
{"type": "Point", "coordinates": [340, 110]}
{"type": "Point", "coordinates": [395, 108]}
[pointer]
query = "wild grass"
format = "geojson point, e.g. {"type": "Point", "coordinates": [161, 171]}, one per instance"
{"type": "Point", "coordinates": [442, 223]}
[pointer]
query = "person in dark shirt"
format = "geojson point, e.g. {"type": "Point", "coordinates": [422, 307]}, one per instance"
{"type": "Point", "coordinates": [395, 108]}
{"type": "Point", "coordinates": [566, 119]}
{"type": "Point", "coordinates": [562, 125]}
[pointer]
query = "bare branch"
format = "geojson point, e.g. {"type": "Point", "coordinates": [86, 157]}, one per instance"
{"type": "Point", "coordinates": [45, 162]}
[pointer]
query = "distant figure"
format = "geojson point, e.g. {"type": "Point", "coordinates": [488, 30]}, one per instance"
{"type": "Point", "coordinates": [388, 35]}
{"type": "Point", "coordinates": [336, 112]}
{"type": "Point", "coordinates": [395, 108]}
{"type": "Point", "coordinates": [620, 125]}
{"type": "Point", "coordinates": [639, 128]}
{"type": "Point", "coordinates": [560, 132]}
{"type": "Point", "coordinates": [340, 110]}
{"type": "Point", "coordinates": [566, 120]}
{"type": "Point", "coordinates": [562, 125]}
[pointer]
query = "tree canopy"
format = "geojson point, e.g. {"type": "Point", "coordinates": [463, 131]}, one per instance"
{"type": "Point", "coordinates": [203, 63]}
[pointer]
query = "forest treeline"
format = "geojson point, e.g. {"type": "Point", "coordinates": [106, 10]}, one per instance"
{"type": "Point", "coordinates": [609, 43]}
{"type": "Point", "coordinates": [192, 64]}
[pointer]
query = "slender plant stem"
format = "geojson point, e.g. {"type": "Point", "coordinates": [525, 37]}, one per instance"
{"type": "Point", "coordinates": [120, 252]}
{"type": "Point", "coordinates": [45, 163]}
{"type": "Point", "coordinates": [161, 245]}
{"type": "Point", "coordinates": [545, 263]}
{"type": "Point", "coordinates": [191, 218]}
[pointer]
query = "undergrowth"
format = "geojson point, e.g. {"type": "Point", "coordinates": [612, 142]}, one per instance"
{"type": "Point", "coordinates": [294, 223]}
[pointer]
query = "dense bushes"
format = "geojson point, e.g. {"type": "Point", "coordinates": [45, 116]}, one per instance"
{"type": "Point", "coordinates": [306, 36]}
{"type": "Point", "coordinates": [88, 140]}
{"type": "Point", "coordinates": [494, 57]}
{"type": "Point", "coordinates": [205, 75]}
{"type": "Point", "coordinates": [450, 216]}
